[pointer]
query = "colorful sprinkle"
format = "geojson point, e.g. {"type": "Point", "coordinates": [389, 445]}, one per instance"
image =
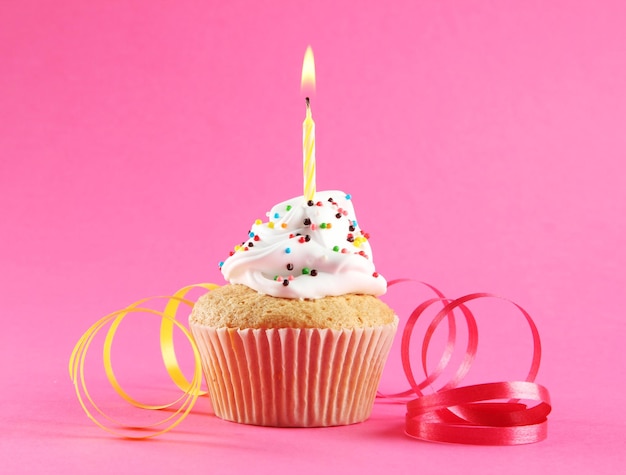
{"type": "Point", "coordinates": [336, 248]}
{"type": "Point", "coordinates": [221, 264]}
{"type": "Point", "coordinates": [270, 225]}
{"type": "Point", "coordinates": [276, 215]}
{"type": "Point", "coordinates": [250, 233]}
{"type": "Point", "coordinates": [288, 208]}
{"type": "Point", "coordinates": [257, 238]}
{"type": "Point", "coordinates": [329, 225]}
{"type": "Point", "coordinates": [287, 250]}
{"type": "Point", "coordinates": [306, 270]}
{"type": "Point", "coordinates": [290, 277]}
{"type": "Point", "coordinates": [313, 226]}
{"type": "Point", "coordinates": [258, 221]}
{"type": "Point", "coordinates": [283, 225]}
{"type": "Point", "coordinates": [319, 203]}
{"type": "Point", "coordinates": [323, 225]}
{"type": "Point", "coordinates": [344, 251]}
{"type": "Point", "coordinates": [375, 274]}
{"type": "Point", "coordinates": [348, 196]}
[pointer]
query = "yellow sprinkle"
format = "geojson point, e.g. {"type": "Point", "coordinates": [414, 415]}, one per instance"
{"type": "Point", "coordinates": [270, 225]}
{"type": "Point", "coordinates": [237, 247]}
{"type": "Point", "coordinates": [358, 242]}
{"type": "Point", "coordinates": [258, 221]}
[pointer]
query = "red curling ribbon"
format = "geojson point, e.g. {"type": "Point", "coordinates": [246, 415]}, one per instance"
{"type": "Point", "coordinates": [472, 414]}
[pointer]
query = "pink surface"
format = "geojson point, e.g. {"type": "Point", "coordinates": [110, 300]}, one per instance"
{"type": "Point", "coordinates": [483, 143]}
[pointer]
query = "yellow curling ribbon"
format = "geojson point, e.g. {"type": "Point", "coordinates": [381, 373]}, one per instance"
{"type": "Point", "coordinates": [191, 389]}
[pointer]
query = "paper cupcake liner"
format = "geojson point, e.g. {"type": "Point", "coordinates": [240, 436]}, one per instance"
{"type": "Point", "coordinates": [292, 377]}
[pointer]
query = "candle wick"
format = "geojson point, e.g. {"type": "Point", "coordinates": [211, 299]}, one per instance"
{"type": "Point", "coordinates": [308, 104]}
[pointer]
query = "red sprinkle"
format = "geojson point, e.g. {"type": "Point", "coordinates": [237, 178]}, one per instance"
{"type": "Point", "coordinates": [257, 238]}
{"type": "Point", "coordinates": [375, 274]}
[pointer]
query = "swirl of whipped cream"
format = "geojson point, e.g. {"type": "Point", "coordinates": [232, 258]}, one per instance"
{"type": "Point", "coordinates": [306, 250]}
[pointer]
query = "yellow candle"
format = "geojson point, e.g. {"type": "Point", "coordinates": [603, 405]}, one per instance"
{"type": "Point", "coordinates": [308, 127]}
{"type": "Point", "coordinates": [308, 149]}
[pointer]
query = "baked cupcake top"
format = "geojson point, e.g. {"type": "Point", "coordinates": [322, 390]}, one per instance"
{"type": "Point", "coordinates": [238, 306]}
{"type": "Point", "coordinates": [306, 250]}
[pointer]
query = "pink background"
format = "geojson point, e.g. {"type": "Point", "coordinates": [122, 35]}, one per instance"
{"type": "Point", "coordinates": [483, 143]}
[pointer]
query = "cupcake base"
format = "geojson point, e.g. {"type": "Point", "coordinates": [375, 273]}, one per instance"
{"type": "Point", "coordinates": [293, 377]}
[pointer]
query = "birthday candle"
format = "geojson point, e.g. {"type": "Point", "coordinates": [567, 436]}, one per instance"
{"type": "Point", "coordinates": [308, 127]}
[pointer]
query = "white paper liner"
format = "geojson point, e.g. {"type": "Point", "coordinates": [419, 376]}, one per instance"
{"type": "Point", "coordinates": [292, 377]}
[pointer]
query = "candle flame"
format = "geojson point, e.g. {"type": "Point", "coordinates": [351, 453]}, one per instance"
{"type": "Point", "coordinates": [307, 84]}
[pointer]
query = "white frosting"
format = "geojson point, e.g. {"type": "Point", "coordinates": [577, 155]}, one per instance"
{"type": "Point", "coordinates": [330, 255]}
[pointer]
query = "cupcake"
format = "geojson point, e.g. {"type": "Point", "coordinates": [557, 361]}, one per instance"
{"type": "Point", "coordinates": [298, 338]}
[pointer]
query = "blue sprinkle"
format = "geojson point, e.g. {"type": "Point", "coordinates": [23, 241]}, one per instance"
{"type": "Point", "coordinates": [276, 215]}
{"type": "Point", "coordinates": [288, 250]}
{"type": "Point", "coordinates": [221, 264]}
{"type": "Point", "coordinates": [251, 234]}
{"type": "Point", "coordinates": [348, 196]}
{"type": "Point", "coordinates": [354, 223]}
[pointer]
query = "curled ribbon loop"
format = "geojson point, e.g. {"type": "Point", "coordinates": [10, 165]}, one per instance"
{"type": "Point", "coordinates": [191, 389]}
{"type": "Point", "coordinates": [461, 415]}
